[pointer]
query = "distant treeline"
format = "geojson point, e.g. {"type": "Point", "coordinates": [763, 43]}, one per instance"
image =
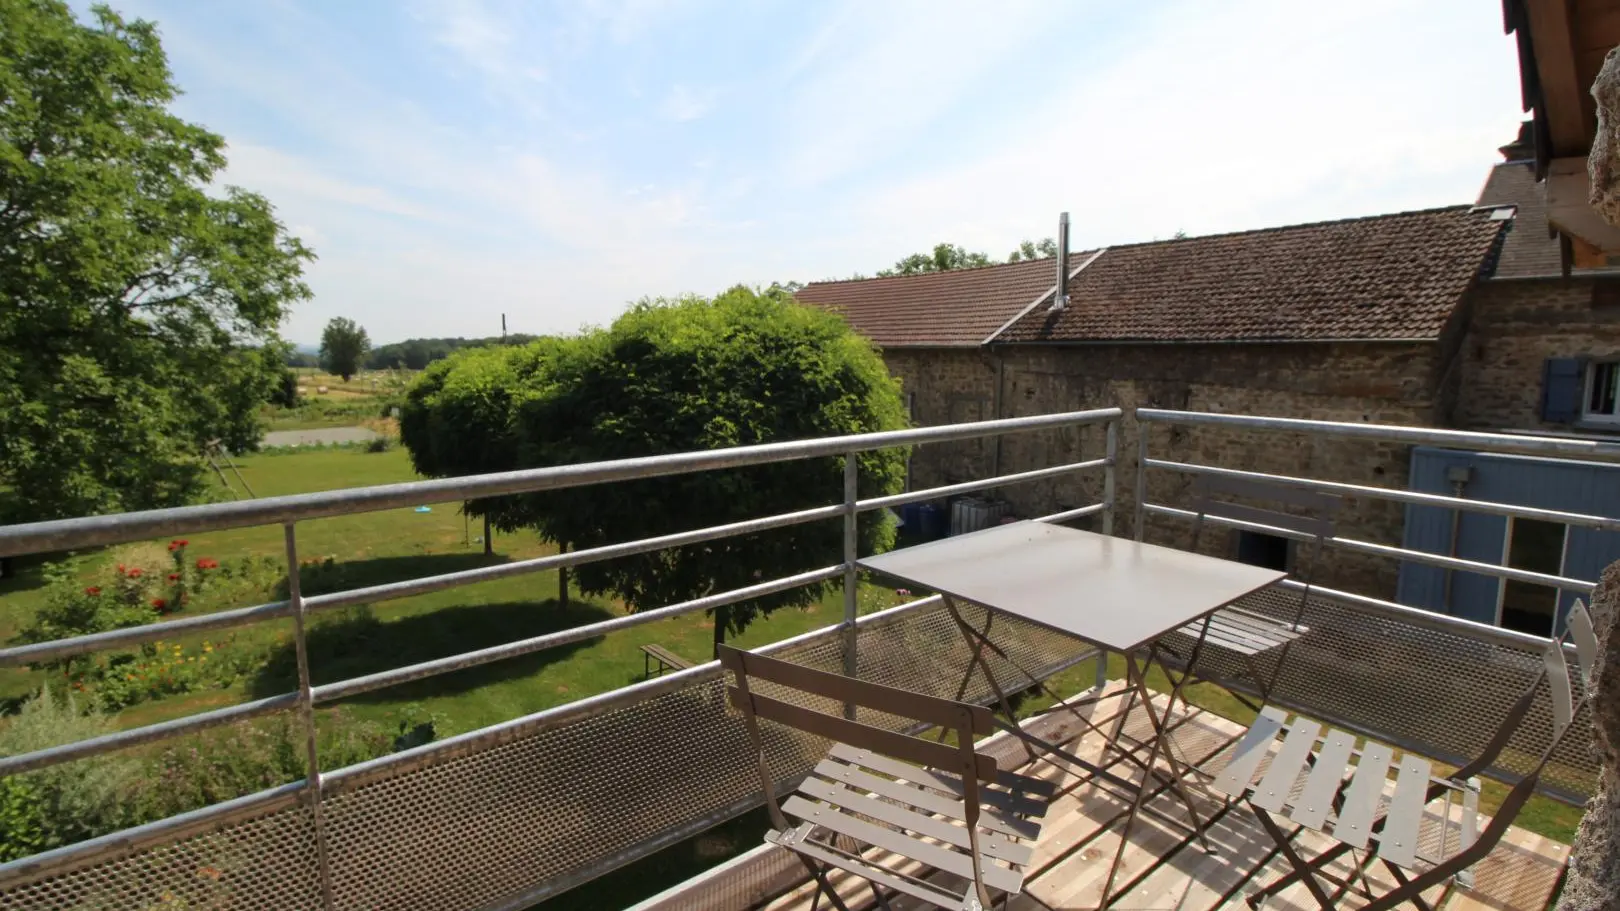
{"type": "Point", "coordinates": [415, 353]}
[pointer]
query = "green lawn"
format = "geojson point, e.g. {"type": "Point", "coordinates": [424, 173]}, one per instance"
{"type": "Point", "coordinates": [400, 544]}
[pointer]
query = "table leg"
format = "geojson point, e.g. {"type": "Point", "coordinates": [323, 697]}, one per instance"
{"type": "Point", "coordinates": [1138, 679]}
{"type": "Point", "coordinates": [978, 641]}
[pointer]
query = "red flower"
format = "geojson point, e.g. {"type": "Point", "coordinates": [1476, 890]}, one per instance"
{"type": "Point", "coordinates": [134, 573]}
{"type": "Point", "coordinates": [93, 590]}
{"type": "Point", "coordinates": [207, 563]}
{"type": "Point", "coordinates": [121, 569]}
{"type": "Point", "coordinates": [159, 603]}
{"type": "Point", "coordinates": [174, 577]}
{"type": "Point", "coordinates": [177, 544]}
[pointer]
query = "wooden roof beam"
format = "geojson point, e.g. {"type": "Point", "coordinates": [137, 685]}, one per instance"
{"type": "Point", "coordinates": [1563, 97]}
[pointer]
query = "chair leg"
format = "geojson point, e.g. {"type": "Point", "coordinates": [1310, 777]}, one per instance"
{"type": "Point", "coordinates": [823, 885]}
{"type": "Point", "coordinates": [1286, 845]}
{"type": "Point", "coordinates": [878, 895]}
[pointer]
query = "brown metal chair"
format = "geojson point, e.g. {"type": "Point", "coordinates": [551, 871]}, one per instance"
{"type": "Point", "coordinates": [1345, 807]}
{"type": "Point", "coordinates": [1248, 633]}
{"type": "Point", "coordinates": [924, 806]}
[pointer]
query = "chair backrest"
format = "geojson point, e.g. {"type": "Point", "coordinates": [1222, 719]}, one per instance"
{"type": "Point", "coordinates": [1567, 698]}
{"type": "Point", "coordinates": [1316, 510]}
{"type": "Point", "coordinates": [967, 721]}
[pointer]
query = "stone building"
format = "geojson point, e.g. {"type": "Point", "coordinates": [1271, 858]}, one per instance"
{"type": "Point", "coordinates": [1445, 317]}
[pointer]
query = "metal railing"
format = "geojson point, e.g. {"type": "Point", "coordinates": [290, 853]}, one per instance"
{"type": "Point", "coordinates": [19, 879]}
{"type": "Point", "coordinates": [511, 813]}
{"type": "Point", "coordinates": [1590, 450]}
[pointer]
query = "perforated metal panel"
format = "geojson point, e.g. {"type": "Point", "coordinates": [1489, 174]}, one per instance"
{"type": "Point", "coordinates": [264, 863]}
{"type": "Point", "coordinates": [514, 821]}
{"type": "Point", "coordinates": [1440, 692]}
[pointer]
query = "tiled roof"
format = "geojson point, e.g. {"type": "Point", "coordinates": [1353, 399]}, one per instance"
{"type": "Point", "coordinates": [1385, 277]}
{"type": "Point", "coordinates": [958, 309]}
{"type": "Point", "coordinates": [1528, 251]}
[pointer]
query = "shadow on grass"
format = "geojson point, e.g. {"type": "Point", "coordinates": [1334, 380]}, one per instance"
{"type": "Point", "coordinates": [354, 642]}
{"type": "Point", "coordinates": [318, 576]}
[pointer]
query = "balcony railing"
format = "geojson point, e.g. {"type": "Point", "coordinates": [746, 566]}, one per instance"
{"type": "Point", "coordinates": [510, 814]}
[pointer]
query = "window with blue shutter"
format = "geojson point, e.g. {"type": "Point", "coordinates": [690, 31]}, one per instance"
{"type": "Point", "coordinates": [1562, 382]}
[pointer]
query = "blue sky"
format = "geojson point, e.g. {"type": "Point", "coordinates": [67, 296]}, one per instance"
{"type": "Point", "coordinates": [450, 160]}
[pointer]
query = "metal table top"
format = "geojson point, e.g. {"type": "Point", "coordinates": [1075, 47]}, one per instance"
{"type": "Point", "coordinates": [1111, 592]}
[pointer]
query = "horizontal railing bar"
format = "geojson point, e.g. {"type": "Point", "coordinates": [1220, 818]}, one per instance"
{"type": "Point", "coordinates": [118, 740]}
{"type": "Point", "coordinates": [1385, 550]}
{"type": "Point", "coordinates": [117, 845]}
{"type": "Point", "coordinates": [137, 635]}
{"type": "Point", "coordinates": [1430, 436]}
{"type": "Point", "coordinates": [1403, 496]}
{"type": "Point", "coordinates": [92, 531]}
{"type": "Point", "coordinates": [935, 493]}
{"type": "Point", "coordinates": [343, 689]}
{"type": "Point", "coordinates": [77, 645]}
{"type": "Point", "coordinates": [360, 774]}
{"type": "Point", "coordinates": [1070, 515]}
{"type": "Point", "coordinates": [1417, 616]}
{"type": "Point", "coordinates": [409, 587]}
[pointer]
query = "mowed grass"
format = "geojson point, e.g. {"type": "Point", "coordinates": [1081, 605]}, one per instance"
{"type": "Point", "coordinates": [394, 545]}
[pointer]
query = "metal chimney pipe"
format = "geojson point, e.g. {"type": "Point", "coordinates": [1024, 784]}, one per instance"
{"type": "Point", "coordinates": [1060, 299]}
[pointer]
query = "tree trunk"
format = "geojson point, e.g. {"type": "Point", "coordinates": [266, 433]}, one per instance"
{"type": "Point", "coordinates": [489, 539]}
{"type": "Point", "coordinates": [562, 578]}
{"type": "Point", "coordinates": [721, 614]}
{"type": "Point", "coordinates": [1603, 163]}
{"type": "Point", "coordinates": [1594, 860]}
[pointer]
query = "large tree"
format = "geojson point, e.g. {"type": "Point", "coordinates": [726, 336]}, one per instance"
{"type": "Point", "coordinates": [139, 302]}
{"type": "Point", "coordinates": [343, 347]}
{"type": "Point", "coordinates": [943, 258]}
{"type": "Point", "coordinates": [672, 376]}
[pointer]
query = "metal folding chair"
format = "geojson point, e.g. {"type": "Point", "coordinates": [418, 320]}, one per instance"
{"type": "Point", "coordinates": [1345, 803]}
{"type": "Point", "coordinates": [886, 806]}
{"type": "Point", "coordinates": [1247, 633]}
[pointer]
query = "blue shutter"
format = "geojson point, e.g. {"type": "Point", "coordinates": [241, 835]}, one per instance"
{"type": "Point", "coordinates": [1562, 382]}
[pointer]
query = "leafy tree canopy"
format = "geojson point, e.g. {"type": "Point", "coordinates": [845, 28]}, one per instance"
{"type": "Point", "coordinates": [1046, 248]}
{"type": "Point", "coordinates": [417, 353]}
{"type": "Point", "coordinates": [343, 347]}
{"type": "Point", "coordinates": [670, 376]}
{"type": "Point", "coordinates": [138, 310]}
{"type": "Point", "coordinates": [943, 258]}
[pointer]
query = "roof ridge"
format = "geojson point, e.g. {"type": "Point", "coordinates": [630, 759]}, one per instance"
{"type": "Point", "coordinates": [1457, 207]}
{"type": "Point", "coordinates": [970, 269]}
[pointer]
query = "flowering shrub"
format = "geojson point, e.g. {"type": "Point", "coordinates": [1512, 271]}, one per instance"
{"type": "Point", "coordinates": [168, 669]}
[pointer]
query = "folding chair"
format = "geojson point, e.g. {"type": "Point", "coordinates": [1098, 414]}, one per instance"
{"type": "Point", "coordinates": [1346, 807]}
{"type": "Point", "coordinates": [1247, 633]}
{"type": "Point", "coordinates": [919, 806]}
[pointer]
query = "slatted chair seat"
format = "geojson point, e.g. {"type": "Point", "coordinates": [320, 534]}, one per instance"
{"type": "Point", "coordinates": [1321, 780]}
{"type": "Point", "coordinates": [898, 794]}
{"type": "Point", "coordinates": [1248, 633]}
{"type": "Point", "coordinates": [1245, 632]}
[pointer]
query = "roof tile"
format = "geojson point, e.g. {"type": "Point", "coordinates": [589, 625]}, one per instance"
{"type": "Point", "coordinates": [1382, 277]}
{"type": "Point", "coordinates": [957, 309]}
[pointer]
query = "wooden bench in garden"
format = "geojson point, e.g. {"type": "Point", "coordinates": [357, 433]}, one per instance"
{"type": "Point", "coordinates": [667, 661]}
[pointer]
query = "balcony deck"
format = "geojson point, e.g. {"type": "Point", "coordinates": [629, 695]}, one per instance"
{"type": "Point", "coordinates": [1166, 869]}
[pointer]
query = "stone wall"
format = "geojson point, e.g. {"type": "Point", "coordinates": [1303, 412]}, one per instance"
{"type": "Point", "coordinates": [1513, 327]}
{"type": "Point", "coordinates": [1377, 383]}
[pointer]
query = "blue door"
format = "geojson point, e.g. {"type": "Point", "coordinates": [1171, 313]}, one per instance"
{"type": "Point", "coordinates": [1575, 552]}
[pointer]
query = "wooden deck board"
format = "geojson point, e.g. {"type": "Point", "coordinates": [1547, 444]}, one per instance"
{"type": "Point", "coordinates": [1174, 873]}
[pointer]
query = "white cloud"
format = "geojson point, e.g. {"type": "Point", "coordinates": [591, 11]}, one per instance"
{"type": "Point", "coordinates": [1250, 116]}
{"type": "Point", "coordinates": [683, 104]}
{"type": "Point", "coordinates": [1215, 117]}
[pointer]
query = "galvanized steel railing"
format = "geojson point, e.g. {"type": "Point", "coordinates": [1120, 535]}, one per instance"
{"type": "Point", "coordinates": [305, 830]}
{"type": "Point", "coordinates": [321, 787]}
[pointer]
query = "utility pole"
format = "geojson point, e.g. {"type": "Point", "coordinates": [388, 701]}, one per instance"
{"type": "Point", "coordinates": [503, 328]}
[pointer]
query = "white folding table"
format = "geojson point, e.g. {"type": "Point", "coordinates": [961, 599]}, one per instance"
{"type": "Point", "coordinates": [1116, 594]}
